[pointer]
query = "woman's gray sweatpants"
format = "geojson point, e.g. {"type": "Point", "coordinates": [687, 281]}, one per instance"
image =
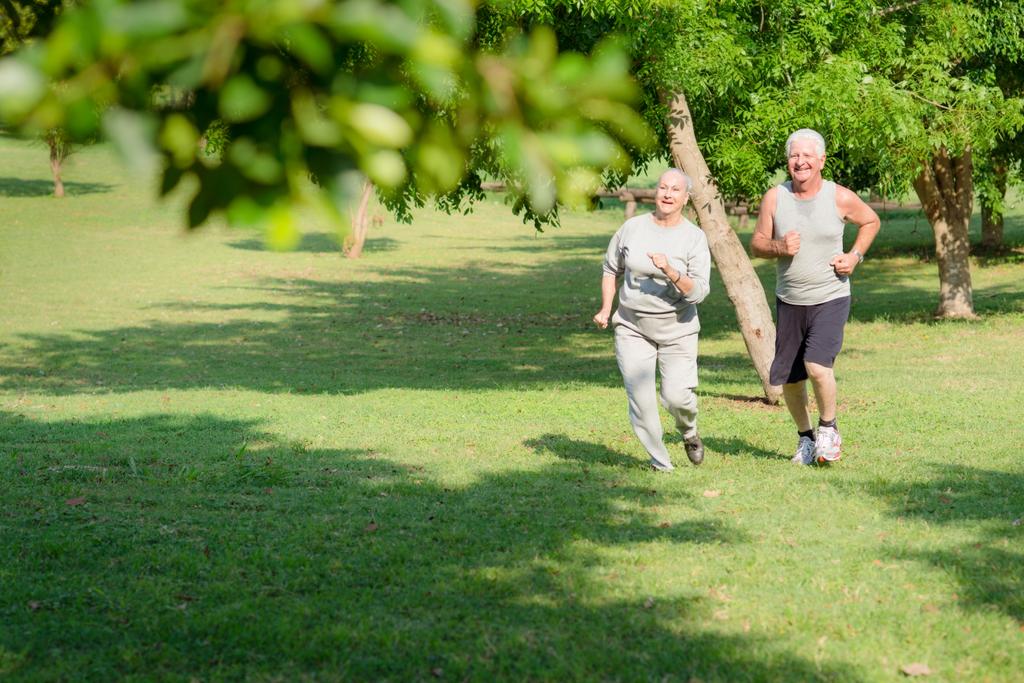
{"type": "Point", "coordinates": [643, 344]}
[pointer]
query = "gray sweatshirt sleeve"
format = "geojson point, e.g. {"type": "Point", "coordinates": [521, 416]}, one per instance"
{"type": "Point", "coordinates": [698, 269]}
{"type": "Point", "coordinates": [614, 259]}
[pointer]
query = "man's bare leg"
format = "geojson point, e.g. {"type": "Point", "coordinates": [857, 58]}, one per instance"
{"type": "Point", "coordinates": [824, 382]}
{"type": "Point", "coordinates": [828, 443]}
{"type": "Point", "coordinates": [795, 395]}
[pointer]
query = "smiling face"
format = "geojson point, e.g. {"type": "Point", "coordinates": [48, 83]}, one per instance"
{"type": "Point", "coordinates": [804, 162]}
{"type": "Point", "coordinates": [671, 195]}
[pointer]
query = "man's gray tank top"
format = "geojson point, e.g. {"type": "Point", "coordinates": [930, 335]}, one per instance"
{"type": "Point", "coordinates": [807, 278]}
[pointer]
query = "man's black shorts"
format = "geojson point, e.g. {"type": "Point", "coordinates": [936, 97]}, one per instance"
{"type": "Point", "coordinates": [807, 333]}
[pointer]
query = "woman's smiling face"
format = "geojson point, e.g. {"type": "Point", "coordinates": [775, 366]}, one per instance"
{"type": "Point", "coordinates": [671, 194]}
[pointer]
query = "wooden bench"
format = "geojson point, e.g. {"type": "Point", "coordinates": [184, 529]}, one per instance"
{"type": "Point", "coordinates": [632, 197]}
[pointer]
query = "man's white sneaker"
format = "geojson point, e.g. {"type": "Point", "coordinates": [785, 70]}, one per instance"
{"type": "Point", "coordinates": [804, 452]}
{"type": "Point", "coordinates": [826, 444]}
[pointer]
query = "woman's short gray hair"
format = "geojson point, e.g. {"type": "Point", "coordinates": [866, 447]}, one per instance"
{"type": "Point", "coordinates": [807, 134]}
{"type": "Point", "coordinates": [686, 178]}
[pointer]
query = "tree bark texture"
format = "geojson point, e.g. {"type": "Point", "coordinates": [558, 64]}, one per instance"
{"type": "Point", "coordinates": [56, 162]}
{"type": "Point", "coordinates": [360, 223]}
{"type": "Point", "coordinates": [945, 189]}
{"type": "Point", "coordinates": [992, 216]}
{"type": "Point", "coordinates": [742, 285]}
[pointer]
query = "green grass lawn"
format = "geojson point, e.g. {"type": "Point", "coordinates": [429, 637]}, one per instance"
{"type": "Point", "coordinates": [223, 462]}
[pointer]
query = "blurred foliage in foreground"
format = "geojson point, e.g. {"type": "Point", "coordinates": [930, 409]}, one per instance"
{"type": "Point", "coordinates": [254, 97]}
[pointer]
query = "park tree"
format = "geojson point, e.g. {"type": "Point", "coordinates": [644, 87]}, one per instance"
{"type": "Point", "coordinates": [329, 91]}
{"type": "Point", "coordinates": [309, 91]}
{"type": "Point", "coordinates": [996, 173]}
{"type": "Point", "coordinates": [360, 222]}
{"type": "Point", "coordinates": [416, 97]}
{"type": "Point", "coordinates": [905, 91]}
{"type": "Point", "coordinates": [695, 69]}
{"type": "Point", "coordinates": [60, 149]}
{"type": "Point", "coordinates": [26, 20]}
{"type": "Point", "coordinates": [907, 95]}
{"type": "Point", "coordinates": [1003, 64]}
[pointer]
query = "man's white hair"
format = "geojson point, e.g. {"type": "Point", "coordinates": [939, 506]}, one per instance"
{"type": "Point", "coordinates": [686, 178]}
{"type": "Point", "coordinates": [806, 134]}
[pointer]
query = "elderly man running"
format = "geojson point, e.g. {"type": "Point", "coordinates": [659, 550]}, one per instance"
{"type": "Point", "coordinates": [801, 224]}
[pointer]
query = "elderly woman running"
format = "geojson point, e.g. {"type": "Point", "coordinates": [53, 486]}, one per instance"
{"type": "Point", "coordinates": [664, 263]}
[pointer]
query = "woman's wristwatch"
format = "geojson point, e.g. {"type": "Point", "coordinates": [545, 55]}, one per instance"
{"type": "Point", "coordinates": [860, 256]}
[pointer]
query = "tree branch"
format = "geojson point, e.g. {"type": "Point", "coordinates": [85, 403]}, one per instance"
{"type": "Point", "coordinates": [881, 12]}
{"type": "Point", "coordinates": [924, 99]}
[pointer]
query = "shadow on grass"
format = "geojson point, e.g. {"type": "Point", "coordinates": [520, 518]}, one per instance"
{"type": "Point", "coordinates": [1006, 254]}
{"type": "Point", "coordinates": [319, 243]}
{"type": "Point", "coordinates": [471, 327]}
{"type": "Point", "coordinates": [582, 451]}
{"type": "Point", "coordinates": [990, 569]}
{"type": "Point", "coordinates": [537, 244]}
{"type": "Point", "coordinates": [880, 292]}
{"type": "Point", "coordinates": [20, 187]}
{"type": "Point", "coordinates": [166, 547]}
{"type": "Point", "coordinates": [463, 327]}
{"type": "Point", "coordinates": [875, 299]}
{"type": "Point", "coordinates": [738, 447]}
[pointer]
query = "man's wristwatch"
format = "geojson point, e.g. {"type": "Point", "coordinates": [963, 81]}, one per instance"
{"type": "Point", "coordinates": [860, 256]}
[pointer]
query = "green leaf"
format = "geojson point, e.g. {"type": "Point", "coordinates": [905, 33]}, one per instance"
{"type": "Point", "coordinates": [253, 163]}
{"type": "Point", "coordinates": [379, 125]}
{"type": "Point", "coordinates": [309, 45]}
{"type": "Point", "coordinates": [180, 138]}
{"type": "Point", "coordinates": [21, 88]}
{"type": "Point", "coordinates": [82, 119]}
{"type": "Point", "coordinates": [247, 212]}
{"type": "Point", "coordinates": [442, 164]}
{"type": "Point", "coordinates": [242, 99]}
{"type": "Point", "coordinates": [385, 167]}
{"type": "Point", "coordinates": [282, 233]}
{"type": "Point", "coordinates": [386, 27]}
{"type": "Point", "coordinates": [132, 134]}
{"type": "Point", "coordinates": [457, 16]}
{"type": "Point", "coordinates": [314, 127]}
{"type": "Point", "coordinates": [147, 18]}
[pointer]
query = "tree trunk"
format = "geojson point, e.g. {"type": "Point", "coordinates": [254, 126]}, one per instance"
{"type": "Point", "coordinates": [56, 161]}
{"type": "Point", "coordinates": [360, 223]}
{"type": "Point", "coordinates": [742, 285]}
{"type": "Point", "coordinates": [992, 212]}
{"type": "Point", "coordinates": [945, 189]}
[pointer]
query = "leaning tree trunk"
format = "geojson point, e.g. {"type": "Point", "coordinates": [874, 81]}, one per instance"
{"type": "Point", "coordinates": [360, 223]}
{"type": "Point", "coordinates": [742, 285]}
{"type": "Point", "coordinates": [56, 162]}
{"type": "Point", "coordinates": [945, 189]}
{"type": "Point", "coordinates": [992, 211]}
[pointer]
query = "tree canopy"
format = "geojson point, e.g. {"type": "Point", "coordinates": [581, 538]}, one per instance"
{"type": "Point", "coordinates": [21, 20]}
{"type": "Point", "coordinates": [393, 90]}
{"type": "Point", "coordinates": [907, 94]}
{"type": "Point", "coordinates": [428, 98]}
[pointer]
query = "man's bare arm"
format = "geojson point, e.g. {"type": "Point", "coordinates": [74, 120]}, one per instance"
{"type": "Point", "coordinates": [762, 244]}
{"type": "Point", "coordinates": [854, 210]}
